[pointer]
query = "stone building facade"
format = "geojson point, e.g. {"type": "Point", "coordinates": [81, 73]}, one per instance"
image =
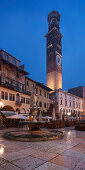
{"type": "Point", "coordinates": [12, 84]}
{"type": "Point", "coordinates": [39, 94]}
{"type": "Point", "coordinates": [67, 103]}
{"type": "Point", "coordinates": [79, 91]}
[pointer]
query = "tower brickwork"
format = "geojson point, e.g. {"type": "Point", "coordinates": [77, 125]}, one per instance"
{"type": "Point", "coordinates": [54, 52]}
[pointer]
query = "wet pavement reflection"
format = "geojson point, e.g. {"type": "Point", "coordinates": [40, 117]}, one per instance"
{"type": "Point", "coordinates": [63, 154]}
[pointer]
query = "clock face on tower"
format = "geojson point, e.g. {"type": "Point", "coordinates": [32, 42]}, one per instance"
{"type": "Point", "coordinates": [58, 60]}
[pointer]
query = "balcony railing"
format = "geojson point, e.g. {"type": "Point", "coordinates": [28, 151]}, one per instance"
{"type": "Point", "coordinates": [14, 85]}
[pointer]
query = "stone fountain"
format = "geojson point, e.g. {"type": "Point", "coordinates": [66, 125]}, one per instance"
{"type": "Point", "coordinates": [33, 130]}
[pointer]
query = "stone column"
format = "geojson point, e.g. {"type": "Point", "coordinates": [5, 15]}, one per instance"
{"type": "Point", "coordinates": [35, 114]}
{"type": "Point", "coordinates": [53, 114]}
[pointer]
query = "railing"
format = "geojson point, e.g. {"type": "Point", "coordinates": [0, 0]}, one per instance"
{"type": "Point", "coordinates": [12, 84]}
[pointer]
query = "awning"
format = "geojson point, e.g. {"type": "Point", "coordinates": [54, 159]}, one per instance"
{"type": "Point", "coordinates": [8, 113]}
{"type": "Point", "coordinates": [17, 116]}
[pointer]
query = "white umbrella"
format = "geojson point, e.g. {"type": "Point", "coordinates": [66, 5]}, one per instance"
{"type": "Point", "coordinates": [47, 117]}
{"type": "Point", "coordinates": [17, 116]}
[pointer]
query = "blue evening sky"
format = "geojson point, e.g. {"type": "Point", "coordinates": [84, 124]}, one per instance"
{"type": "Point", "coordinates": [23, 24]}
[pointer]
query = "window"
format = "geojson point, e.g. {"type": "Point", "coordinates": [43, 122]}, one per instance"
{"type": "Point", "coordinates": [40, 92]}
{"type": "Point", "coordinates": [65, 102]}
{"type": "Point", "coordinates": [17, 74]}
{"type": "Point", "coordinates": [22, 99]}
{"type": "Point", "coordinates": [27, 83]}
{"type": "Point", "coordinates": [36, 90]}
{"type": "Point", "coordinates": [61, 102]}
{"type": "Point", "coordinates": [27, 92]}
{"type": "Point", "coordinates": [74, 104]}
{"type": "Point", "coordinates": [79, 105]}
{"type": "Point", "coordinates": [47, 95]}
{"type": "Point", "coordinates": [7, 57]}
{"type": "Point", "coordinates": [37, 103]}
{"type": "Point", "coordinates": [44, 105]}
{"type": "Point", "coordinates": [44, 94]}
{"type": "Point", "coordinates": [17, 85]}
{"type": "Point", "coordinates": [14, 61]}
{"type": "Point", "coordinates": [70, 103]}
{"type": "Point", "coordinates": [33, 86]}
{"type": "Point", "coordinates": [40, 104]}
{"type": "Point", "coordinates": [2, 94]}
{"type": "Point", "coordinates": [11, 82]}
{"type": "Point", "coordinates": [11, 97]}
{"type": "Point", "coordinates": [23, 87]}
{"type": "Point", "coordinates": [6, 96]}
{"type": "Point", "coordinates": [27, 100]}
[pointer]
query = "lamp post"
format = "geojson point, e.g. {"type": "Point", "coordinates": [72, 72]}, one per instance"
{"type": "Point", "coordinates": [1, 106]}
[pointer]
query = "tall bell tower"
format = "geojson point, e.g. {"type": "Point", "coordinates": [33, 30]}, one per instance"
{"type": "Point", "coordinates": [54, 52]}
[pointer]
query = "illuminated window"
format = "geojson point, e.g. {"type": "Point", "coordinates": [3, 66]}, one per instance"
{"type": "Point", "coordinates": [11, 97]}
{"type": "Point", "coordinates": [27, 100]}
{"type": "Point", "coordinates": [2, 94]}
{"type": "Point", "coordinates": [6, 96]}
{"type": "Point", "coordinates": [22, 99]}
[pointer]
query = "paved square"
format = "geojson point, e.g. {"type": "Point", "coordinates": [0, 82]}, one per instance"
{"type": "Point", "coordinates": [64, 154]}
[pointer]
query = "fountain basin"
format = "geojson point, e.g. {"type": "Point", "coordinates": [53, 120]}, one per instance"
{"type": "Point", "coordinates": [34, 136]}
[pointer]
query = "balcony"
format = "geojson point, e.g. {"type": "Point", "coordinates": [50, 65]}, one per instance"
{"type": "Point", "coordinates": [13, 85]}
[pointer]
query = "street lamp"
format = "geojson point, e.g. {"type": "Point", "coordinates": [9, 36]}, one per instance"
{"type": "Point", "coordinates": [1, 106]}
{"type": "Point", "coordinates": [69, 114]}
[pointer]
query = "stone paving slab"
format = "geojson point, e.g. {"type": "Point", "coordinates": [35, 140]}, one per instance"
{"type": "Point", "coordinates": [66, 161]}
{"type": "Point", "coordinates": [63, 154]}
{"type": "Point", "coordinates": [44, 155]}
{"type": "Point", "coordinates": [11, 156]}
{"type": "Point", "coordinates": [51, 166]}
{"type": "Point", "coordinates": [9, 166]}
{"type": "Point", "coordinates": [81, 165]}
{"type": "Point", "coordinates": [28, 163]}
{"type": "Point", "coordinates": [74, 154]}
